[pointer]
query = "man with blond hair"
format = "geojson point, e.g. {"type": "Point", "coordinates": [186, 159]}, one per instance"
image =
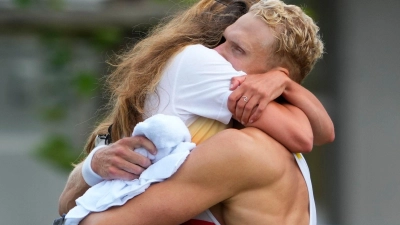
{"type": "Point", "coordinates": [240, 176]}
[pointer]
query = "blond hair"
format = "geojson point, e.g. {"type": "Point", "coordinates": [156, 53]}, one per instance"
{"type": "Point", "coordinates": [298, 45]}
{"type": "Point", "coordinates": [138, 71]}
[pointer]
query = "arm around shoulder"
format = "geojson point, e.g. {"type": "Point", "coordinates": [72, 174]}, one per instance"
{"type": "Point", "coordinates": [321, 123]}
{"type": "Point", "coordinates": [208, 176]}
{"type": "Point", "coordinates": [288, 125]}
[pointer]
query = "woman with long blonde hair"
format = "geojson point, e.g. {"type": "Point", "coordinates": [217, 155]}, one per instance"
{"type": "Point", "coordinates": [139, 71]}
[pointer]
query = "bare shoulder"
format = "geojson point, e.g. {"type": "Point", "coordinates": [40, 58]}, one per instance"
{"type": "Point", "coordinates": [250, 153]}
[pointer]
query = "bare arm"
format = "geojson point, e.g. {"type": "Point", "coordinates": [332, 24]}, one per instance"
{"type": "Point", "coordinates": [321, 123]}
{"type": "Point", "coordinates": [205, 179]}
{"type": "Point", "coordinates": [288, 125]}
{"type": "Point", "coordinates": [264, 88]}
{"type": "Point", "coordinates": [75, 187]}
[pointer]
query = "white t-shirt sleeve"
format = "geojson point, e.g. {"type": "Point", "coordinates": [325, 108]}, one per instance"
{"type": "Point", "coordinates": [202, 83]}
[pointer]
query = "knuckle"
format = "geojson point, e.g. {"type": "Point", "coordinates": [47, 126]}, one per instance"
{"type": "Point", "coordinates": [248, 107]}
{"type": "Point", "coordinates": [121, 141]}
{"type": "Point", "coordinates": [124, 141]}
{"type": "Point", "coordinates": [232, 98]}
{"type": "Point", "coordinates": [133, 176]}
{"type": "Point", "coordinates": [140, 140]}
{"type": "Point", "coordinates": [245, 84]}
{"type": "Point", "coordinates": [240, 106]}
{"type": "Point", "coordinates": [143, 161]}
{"type": "Point", "coordinates": [262, 93]}
{"type": "Point", "coordinates": [112, 172]}
{"type": "Point", "coordinates": [262, 105]}
{"type": "Point", "coordinates": [118, 151]}
{"type": "Point", "coordinates": [114, 160]}
{"type": "Point", "coordinates": [137, 170]}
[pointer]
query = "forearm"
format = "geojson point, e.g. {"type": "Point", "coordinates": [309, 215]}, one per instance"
{"type": "Point", "coordinates": [188, 192]}
{"type": "Point", "coordinates": [321, 123]}
{"type": "Point", "coordinates": [205, 179]}
{"type": "Point", "coordinates": [288, 125]}
{"type": "Point", "coordinates": [75, 187]}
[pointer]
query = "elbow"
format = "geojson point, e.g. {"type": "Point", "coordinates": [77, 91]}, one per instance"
{"type": "Point", "coordinates": [303, 144]}
{"type": "Point", "coordinates": [308, 144]}
{"type": "Point", "coordinates": [331, 136]}
{"type": "Point", "coordinates": [64, 205]}
{"type": "Point", "coordinates": [306, 141]}
{"type": "Point", "coordinates": [61, 207]}
{"type": "Point", "coordinates": [327, 138]}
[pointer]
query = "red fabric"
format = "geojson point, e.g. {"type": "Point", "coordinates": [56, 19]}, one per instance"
{"type": "Point", "coordinates": [197, 222]}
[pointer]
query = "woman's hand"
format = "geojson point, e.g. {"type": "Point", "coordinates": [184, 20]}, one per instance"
{"type": "Point", "coordinates": [252, 93]}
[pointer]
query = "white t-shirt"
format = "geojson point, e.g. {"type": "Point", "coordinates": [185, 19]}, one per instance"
{"type": "Point", "coordinates": [194, 83]}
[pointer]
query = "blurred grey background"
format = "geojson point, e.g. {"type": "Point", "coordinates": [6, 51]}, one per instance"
{"type": "Point", "coordinates": [53, 55]}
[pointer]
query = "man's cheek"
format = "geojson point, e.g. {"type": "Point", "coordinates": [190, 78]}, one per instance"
{"type": "Point", "coordinates": [236, 64]}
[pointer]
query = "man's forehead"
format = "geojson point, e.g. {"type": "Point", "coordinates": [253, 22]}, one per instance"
{"type": "Point", "coordinates": [237, 35]}
{"type": "Point", "coordinates": [251, 31]}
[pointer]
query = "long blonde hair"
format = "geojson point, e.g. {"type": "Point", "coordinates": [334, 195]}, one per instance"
{"type": "Point", "coordinates": [138, 71]}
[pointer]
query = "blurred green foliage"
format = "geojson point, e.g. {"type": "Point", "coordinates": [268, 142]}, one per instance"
{"type": "Point", "coordinates": [56, 148]}
{"type": "Point", "coordinates": [23, 3]}
{"type": "Point", "coordinates": [106, 38]}
{"type": "Point", "coordinates": [85, 83]}
{"type": "Point", "coordinates": [52, 4]}
{"type": "Point", "coordinates": [65, 85]}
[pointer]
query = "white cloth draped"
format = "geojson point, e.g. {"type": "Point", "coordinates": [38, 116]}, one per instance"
{"type": "Point", "coordinates": [173, 142]}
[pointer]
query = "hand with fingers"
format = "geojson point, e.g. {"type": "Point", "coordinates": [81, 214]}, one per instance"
{"type": "Point", "coordinates": [119, 161]}
{"type": "Point", "coordinates": [252, 93]}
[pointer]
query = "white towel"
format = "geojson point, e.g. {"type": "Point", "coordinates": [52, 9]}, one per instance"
{"type": "Point", "coordinates": [173, 142]}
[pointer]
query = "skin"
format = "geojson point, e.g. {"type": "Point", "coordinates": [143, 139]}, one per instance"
{"type": "Point", "coordinates": [116, 154]}
{"type": "Point", "coordinates": [241, 52]}
{"type": "Point", "coordinates": [118, 161]}
{"type": "Point", "coordinates": [295, 94]}
{"type": "Point", "coordinates": [266, 171]}
{"type": "Point", "coordinates": [254, 179]}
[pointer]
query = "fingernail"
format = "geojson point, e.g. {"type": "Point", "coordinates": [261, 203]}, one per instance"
{"type": "Point", "coordinates": [251, 121]}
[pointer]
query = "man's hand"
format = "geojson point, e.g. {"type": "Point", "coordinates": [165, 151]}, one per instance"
{"type": "Point", "coordinates": [119, 161]}
{"type": "Point", "coordinates": [115, 161]}
{"type": "Point", "coordinates": [252, 93]}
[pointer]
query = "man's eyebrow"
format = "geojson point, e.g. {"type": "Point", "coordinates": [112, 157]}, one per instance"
{"type": "Point", "coordinates": [242, 44]}
{"type": "Point", "coordinates": [237, 41]}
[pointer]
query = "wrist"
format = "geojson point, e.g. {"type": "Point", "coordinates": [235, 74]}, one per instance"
{"type": "Point", "coordinates": [283, 70]}
{"type": "Point", "coordinates": [284, 74]}
{"type": "Point", "coordinates": [288, 87]}
{"type": "Point", "coordinates": [88, 174]}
